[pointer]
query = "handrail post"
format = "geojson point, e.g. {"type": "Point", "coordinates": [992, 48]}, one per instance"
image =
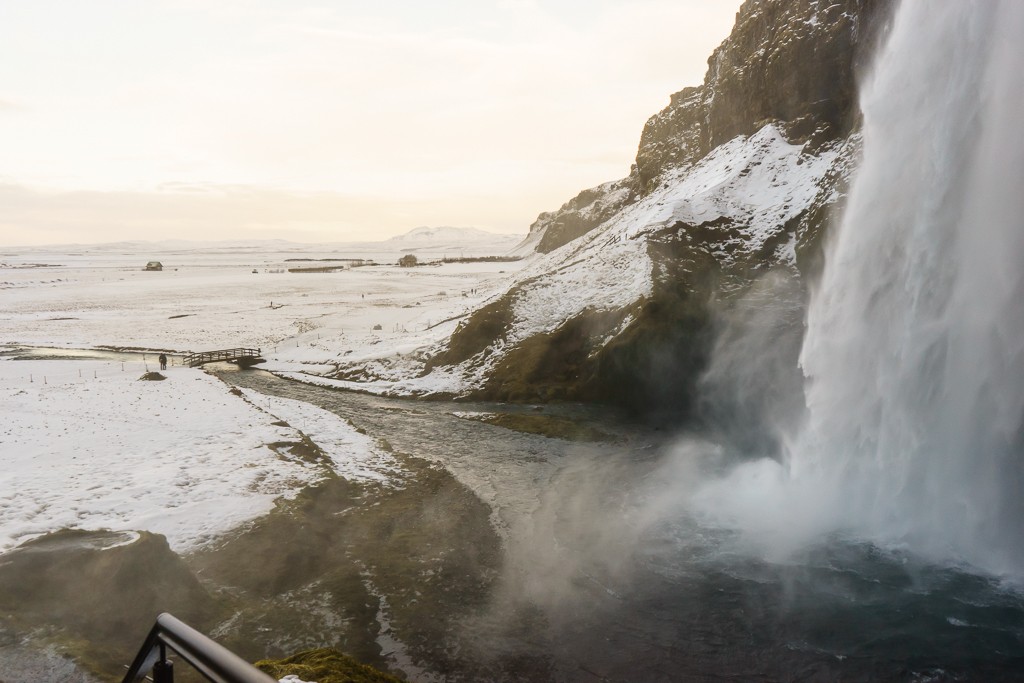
{"type": "Point", "coordinates": [163, 670]}
{"type": "Point", "coordinates": [211, 661]}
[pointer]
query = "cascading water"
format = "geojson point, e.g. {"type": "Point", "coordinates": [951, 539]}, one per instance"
{"type": "Point", "coordinates": [914, 348]}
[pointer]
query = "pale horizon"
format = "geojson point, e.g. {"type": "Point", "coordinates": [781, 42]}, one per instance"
{"type": "Point", "coordinates": [326, 122]}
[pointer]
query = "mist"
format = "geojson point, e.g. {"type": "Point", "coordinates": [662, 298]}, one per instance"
{"type": "Point", "coordinates": [873, 427]}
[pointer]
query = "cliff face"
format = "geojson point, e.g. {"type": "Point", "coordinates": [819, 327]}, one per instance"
{"type": "Point", "coordinates": [583, 213]}
{"type": "Point", "coordinates": [793, 63]}
{"type": "Point", "coordinates": [638, 279]}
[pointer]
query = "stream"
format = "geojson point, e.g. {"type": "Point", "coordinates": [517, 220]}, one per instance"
{"type": "Point", "coordinates": [603, 577]}
{"type": "Point", "coordinates": [502, 555]}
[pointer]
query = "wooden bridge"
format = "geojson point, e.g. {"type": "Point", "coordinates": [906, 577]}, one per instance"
{"type": "Point", "coordinates": [240, 356]}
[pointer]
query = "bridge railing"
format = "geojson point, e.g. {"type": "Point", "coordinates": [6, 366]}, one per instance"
{"type": "Point", "coordinates": [213, 661]}
{"type": "Point", "coordinates": [196, 359]}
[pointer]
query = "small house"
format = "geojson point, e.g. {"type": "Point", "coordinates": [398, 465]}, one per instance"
{"type": "Point", "coordinates": [154, 265]}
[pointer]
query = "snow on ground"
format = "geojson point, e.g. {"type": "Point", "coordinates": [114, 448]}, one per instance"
{"type": "Point", "coordinates": [204, 300]}
{"type": "Point", "coordinates": [87, 444]}
{"type": "Point", "coordinates": [757, 183]}
{"type": "Point", "coordinates": [354, 456]}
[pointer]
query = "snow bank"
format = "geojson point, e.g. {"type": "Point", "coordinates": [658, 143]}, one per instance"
{"type": "Point", "coordinates": [85, 444]}
{"type": "Point", "coordinates": [354, 456]}
{"type": "Point", "coordinates": [756, 183]}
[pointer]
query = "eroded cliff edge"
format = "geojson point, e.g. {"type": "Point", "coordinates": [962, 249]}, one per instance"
{"type": "Point", "coordinates": [718, 224]}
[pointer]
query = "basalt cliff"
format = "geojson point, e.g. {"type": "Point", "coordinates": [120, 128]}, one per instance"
{"type": "Point", "coordinates": [636, 283]}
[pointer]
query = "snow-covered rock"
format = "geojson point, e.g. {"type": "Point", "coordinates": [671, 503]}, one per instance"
{"type": "Point", "coordinates": [733, 179]}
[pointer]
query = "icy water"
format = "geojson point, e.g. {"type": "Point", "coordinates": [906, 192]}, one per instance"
{"type": "Point", "coordinates": [598, 583]}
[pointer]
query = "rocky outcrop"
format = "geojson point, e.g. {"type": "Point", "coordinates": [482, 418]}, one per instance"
{"type": "Point", "coordinates": [95, 594]}
{"type": "Point", "coordinates": [733, 184]}
{"type": "Point", "coordinates": [583, 213]}
{"type": "Point", "coordinates": [794, 63]}
{"type": "Point", "coordinates": [627, 313]}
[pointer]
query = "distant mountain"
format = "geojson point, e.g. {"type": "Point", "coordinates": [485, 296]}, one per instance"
{"type": "Point", "coordinates": [451, 235]}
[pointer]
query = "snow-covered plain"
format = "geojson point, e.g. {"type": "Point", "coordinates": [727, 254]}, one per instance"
{"type": "Point", "coordinates": [88, 444]}
{"type": "Point", "coordinates": [243, 295]}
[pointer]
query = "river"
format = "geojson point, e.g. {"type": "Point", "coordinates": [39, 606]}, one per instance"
{"type": "Point", "coordinates": [602, 577]}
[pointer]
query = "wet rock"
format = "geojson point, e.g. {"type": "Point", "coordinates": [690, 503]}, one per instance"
{"type": "Point", "coordinates": [384, 574]}
{"type": "Point", "coordinates": [96, 594]}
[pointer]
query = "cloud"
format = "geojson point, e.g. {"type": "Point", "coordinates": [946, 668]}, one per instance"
{"type": "Point", "coordinates": [8, 106]}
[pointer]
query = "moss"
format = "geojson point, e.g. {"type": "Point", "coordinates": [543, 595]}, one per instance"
{"type": "Point", "coordinates": [95, 596]}
{"type": "Point", "coordinates": [554, 366]}
{"type": "Point", "coordinates": [153, 377]}
{"type": "Point", "coordinates": [548, 425]}
{"type": "Point", "coordinates": [477, 333]}
{"type": "Point", "coordinates": [330, 561]}
{"type": "Point", "coordinates": [324, 665]}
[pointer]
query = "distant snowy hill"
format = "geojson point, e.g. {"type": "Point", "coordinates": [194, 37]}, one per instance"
{"type": "Point", "coordinates": [451, 235]}
{"type": "Point", "coordinates": [453, 241]}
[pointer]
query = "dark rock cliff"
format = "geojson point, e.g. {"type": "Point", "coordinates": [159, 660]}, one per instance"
{"type": "Point", "coordinates": [718, 226]}
{"type": "Point", "coordinates": [795, 62]}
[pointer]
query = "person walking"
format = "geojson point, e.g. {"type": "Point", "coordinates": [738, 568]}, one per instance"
{"type": "Point", "coordinates": [163, 362]}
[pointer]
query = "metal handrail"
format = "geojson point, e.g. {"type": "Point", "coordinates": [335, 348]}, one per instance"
{"type": "Point", "coordinates": [213, 661]}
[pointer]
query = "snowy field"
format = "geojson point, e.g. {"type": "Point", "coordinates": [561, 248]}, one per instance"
{"type": "Point", "coordinates": [245, 296]}
{"type": "Point", "coordinates": [88, 444]}
{"type": "Point", "coordinates": [182, 457]}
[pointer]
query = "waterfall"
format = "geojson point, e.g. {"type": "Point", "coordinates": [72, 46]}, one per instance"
{"type": "Point", "coordinates": [913, 354]}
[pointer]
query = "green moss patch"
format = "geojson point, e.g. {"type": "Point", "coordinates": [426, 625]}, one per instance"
{"type": "Point", "coordinates": [554, 366]}
{"type": "Point", "coordinates": [306, 450]}
{"type": "Point", "coordinates": [95, 594]}
{"type": "Point", "coordinates": [547, 425]}
{"type": "Point", "coordinates": [324, 665]}
{"type": "Point", "coordinates": [345, 563]}
{"type": "Point", "coordinates": [482, 329]}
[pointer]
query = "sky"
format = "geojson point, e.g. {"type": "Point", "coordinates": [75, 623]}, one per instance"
{"type": "Point", "coordinates": [326, 120]}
